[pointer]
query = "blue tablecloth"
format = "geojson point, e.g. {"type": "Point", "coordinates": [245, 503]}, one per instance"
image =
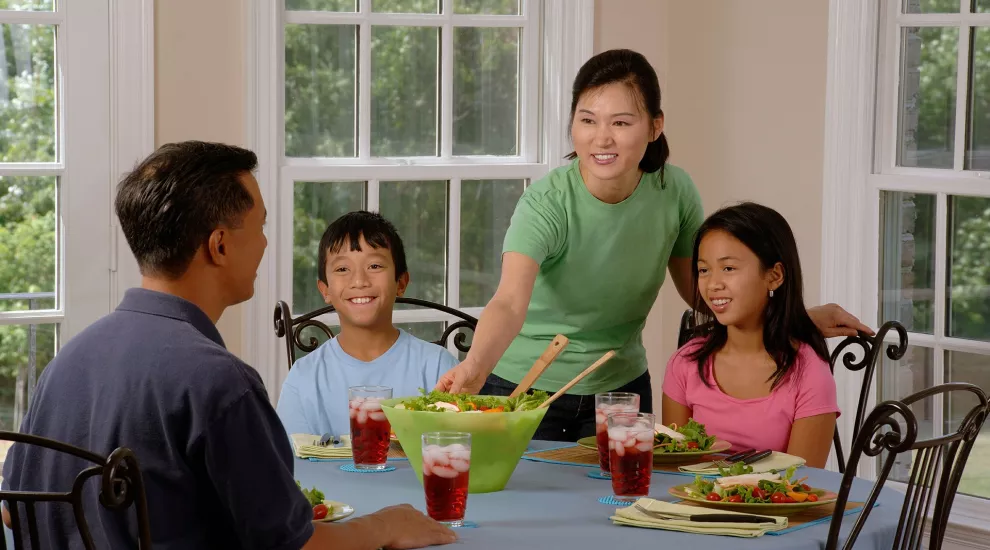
{"type": "Point", "coordinates": [556, 506]}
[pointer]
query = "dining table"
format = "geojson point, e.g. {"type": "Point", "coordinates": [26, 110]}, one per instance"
{"type": "Point", "coordinates": [555, 505]}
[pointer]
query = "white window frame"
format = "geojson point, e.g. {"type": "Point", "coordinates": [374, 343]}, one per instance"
{"type": "Point", "coordinates": [860, 148]}
{"type": "Point", "coordinates": [566, 43]}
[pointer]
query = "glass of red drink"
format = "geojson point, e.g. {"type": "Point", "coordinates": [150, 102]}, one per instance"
{"type": "Point", "coordinates": [605, 404]}
{"type": "Point", "coordinates": [630, 443]}
{"type": "Point", "coordinates": [446, 462]}
{"type": "Point", "coordinates": [369, 427]}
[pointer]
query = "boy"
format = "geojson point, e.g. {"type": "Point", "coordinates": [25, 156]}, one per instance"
{"type": "Point", "coordinates": [362, 271]}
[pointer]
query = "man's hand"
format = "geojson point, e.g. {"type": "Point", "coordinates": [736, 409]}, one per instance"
{"type": "Point", "coordinates": [407, 527]}
{"type": "Point", "coordinates": [464, 378]}
{"type": "Point", "coordinates": [834, 321]}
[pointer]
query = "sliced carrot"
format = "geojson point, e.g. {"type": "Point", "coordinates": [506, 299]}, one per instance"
{"type": "Point", "coordinates": [798, 497]}
{"type": "Point", "coordinates": [496, 410]}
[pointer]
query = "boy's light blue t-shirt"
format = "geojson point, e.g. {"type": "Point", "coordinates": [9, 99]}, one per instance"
{"type": "Point", "coordinates": [314, 396]}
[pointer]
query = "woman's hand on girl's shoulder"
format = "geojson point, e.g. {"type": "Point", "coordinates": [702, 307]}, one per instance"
{"type": "Point", "coordinates": [834, 321]}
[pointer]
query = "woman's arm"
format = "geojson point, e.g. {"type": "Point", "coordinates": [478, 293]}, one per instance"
{"type": "Point", "coordinates": [674, 413]}
{"type": "Point", "coordinates": [500, 322]}
{"type": "Point", "coordinates": [811, 439]}
{"type": "Point", "coordinates": [682, 273]}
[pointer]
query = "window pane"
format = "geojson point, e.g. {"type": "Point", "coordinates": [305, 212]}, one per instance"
{"type": "Point", "coordinates": [315, 206]}
{"type": "Point", "coordinates": [404, 112]}
{"type": "Point", "coordinates": [25, 350]}
{"type": "Point", "coordinates": [486, 208]}
{"type": "Point", "coordinates": [405, 6]}
{"type": "Point", "coordinates": [486, 91]}
{"type": "Point", "coordinates": [27, 5]}
{"type": "Point", "coordinates": [27, 243]}
{"type": "Point", "coordinates": [978, 132]}
{"type": "Point", "coordinates": [907, 260]}
{"type": "Point", "coordinates": [27, 93]}
{"type": "Point", "coordinates": [322, 5]}
{"type": "Point", "coordinates": [968, 292]}
{"type": "Point", "coordinates": [899, 379]}
{"type": "Point", "coordinates": [430, 332]}
{"type": "Point", "coordinates": [981, 6]}
{"type": "Point", "coordinates": [975, 369]}
{"type": "Point", "coordinates": [487, 7]}
{"type": "Point", "coordinates": [320, 90]}
{"type": "Point", "coordinates": [418, 209]}
{"type": "Point", "coordinates": [931, 6]}
{"type": "Point", "coordinates": [927, 110]}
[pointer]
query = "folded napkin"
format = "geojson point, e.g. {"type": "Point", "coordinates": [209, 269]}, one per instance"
{"type": "Point", "coordinates": [305, 448]}
{"type": "Point", "coordinates": [776, 461]}
{"type": "Point", "coordinates": [633, 517]}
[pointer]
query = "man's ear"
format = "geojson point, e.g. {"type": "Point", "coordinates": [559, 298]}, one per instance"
{"type": "Point", "coordinates": [216, 247]}
{"type": "Point", "coordinates": [401, 284]}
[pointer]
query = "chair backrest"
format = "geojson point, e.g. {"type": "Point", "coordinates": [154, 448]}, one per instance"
{"type": "Point", "coordinates": [291, 329]}
{"type": "Point", "coordinates": [871, 347]}
{"type": "Point", "coordinates": [938, 465]}
{"type": "Point", "coordinates": [690, 327]}
{"type": "Point", "coordinates": [121, 486]}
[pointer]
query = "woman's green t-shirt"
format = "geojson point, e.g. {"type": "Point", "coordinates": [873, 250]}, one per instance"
{"type": "Point", "coordinates": [601, 267]}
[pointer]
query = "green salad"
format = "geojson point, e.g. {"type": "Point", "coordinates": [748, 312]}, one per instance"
{"type": "Point", "coordinates": [438, 401]}
{"type": "Point", "coordinates": [689, 437]}
{"type": "Point", "coordinates": [769, 488]}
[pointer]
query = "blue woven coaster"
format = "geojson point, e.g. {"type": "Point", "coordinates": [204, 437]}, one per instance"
{"type": "Point", "coordinates": [610, 500]}
{"type": "Point", "coordinates": [597, 474]}
{"type": "Point", "coordinates": [467, 525]}
{"type": "Point", "coordinates": [350, 468]}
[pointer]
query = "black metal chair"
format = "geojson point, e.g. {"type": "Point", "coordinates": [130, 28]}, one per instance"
{"type": "Point", "coordinates": [291, 329]}
{"type": "Point", "coordinates": [938, 465]}
{"type": "Point", "coordinates": [871, 346]}
{"type": "Point", "coordinates": [121, 486]}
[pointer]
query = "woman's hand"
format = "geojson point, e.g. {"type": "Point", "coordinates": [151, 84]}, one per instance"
{"type": "Point", "coordinates": [834, 321]}
{"type": "Point", "coordinates": [465, 377]}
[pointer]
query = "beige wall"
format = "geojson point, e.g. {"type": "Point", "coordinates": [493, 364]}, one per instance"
{"type": "Point", "coordinates": [744, 98]}
{"type": "Point", "coordinates": [199, 86]}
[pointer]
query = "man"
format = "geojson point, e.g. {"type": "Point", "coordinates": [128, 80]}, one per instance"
{"type": "Point", "coordinates": [155, 376]}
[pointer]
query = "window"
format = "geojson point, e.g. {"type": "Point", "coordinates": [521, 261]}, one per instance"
{"type": "Point", "coordinates": [54, 177]}
{"type": "Point", "coordinates": [437, 113]}
{"type": "Point", "coordinates": [908, 202]}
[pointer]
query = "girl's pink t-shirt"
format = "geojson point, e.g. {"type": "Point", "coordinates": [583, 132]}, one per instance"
{"type": "Point", "coordinates": [761, 423]}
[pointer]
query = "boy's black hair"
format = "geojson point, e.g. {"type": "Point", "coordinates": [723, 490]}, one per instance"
{"type": "Point", "coordinates": [764, 231]}
{"type": "Point", "coordinates": [377, 231]}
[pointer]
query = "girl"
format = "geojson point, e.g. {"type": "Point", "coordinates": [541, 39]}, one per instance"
{"type": "Point", "coordinates": [759, 378]}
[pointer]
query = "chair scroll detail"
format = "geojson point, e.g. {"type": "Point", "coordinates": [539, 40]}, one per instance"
{"type": "Point", "coordinates": [121, 486]}
{"type": "Point", "coordinates": [291, 329]}
{"type": "Point", "coordinates": [868, 364]}
{"type": "Point", "coordinates": [937, 466]}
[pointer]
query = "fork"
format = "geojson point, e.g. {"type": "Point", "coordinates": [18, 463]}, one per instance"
{"type": "Point", "coordinates": [327, 439]}
{"type": "Point", "coordinates": [730, 460]}
{"type": "Point", "coordinates": [705, 517]}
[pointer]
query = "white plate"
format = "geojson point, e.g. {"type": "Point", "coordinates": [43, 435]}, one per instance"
{"type": "Point", "coordinates": [340, 511]}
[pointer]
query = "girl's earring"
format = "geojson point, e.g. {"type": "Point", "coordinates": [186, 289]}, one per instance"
{"type": "Point", "coordinates": [771, 293]}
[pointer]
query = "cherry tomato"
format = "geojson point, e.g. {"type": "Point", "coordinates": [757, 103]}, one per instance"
{"type": "Point", "coordinates": [805, 488]}
{"type": "Point", "coordinates": [812, 498]}
{"type": "Point", "coordinates": [713, 497]}
{"type": "Point", "coordinates": [692, 445]}
{"type": "Point", "coordinates": [759, 493]}
{"type": "Point", "coordinates": [736, 498]}
{"type": "Point", "coordinates": [777, 498]}
{"type": "Point", "coordinates": [787, 499]}
{"type": "Point", "coordinates": [320, 511]}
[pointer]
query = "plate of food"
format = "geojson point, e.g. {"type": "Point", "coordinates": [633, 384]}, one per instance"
{"type": "Point", "coordinates": [766, 493]}
{"type": "Point", "coordinates": [325, 510]}
{"type": "Point", "coordinates": [675, 444]}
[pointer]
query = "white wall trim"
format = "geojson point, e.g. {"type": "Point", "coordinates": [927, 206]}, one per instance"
{"type": "Point", "coordinates": [132, 118]}
{"type": "Point", "coordinates": [568, 41]}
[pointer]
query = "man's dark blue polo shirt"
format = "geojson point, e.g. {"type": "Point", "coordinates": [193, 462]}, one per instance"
{"type": "Point", "coordinates": [154, 376]}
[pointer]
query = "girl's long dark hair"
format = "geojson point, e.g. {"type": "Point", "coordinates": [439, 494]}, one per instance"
{"type": "Point", "coordinates": [631, 68]}
{"type": "Point", "coordinates": [764, 231]}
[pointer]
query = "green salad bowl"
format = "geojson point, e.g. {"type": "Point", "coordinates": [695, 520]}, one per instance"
{"type": "Point", "coordinates": [498, 440]}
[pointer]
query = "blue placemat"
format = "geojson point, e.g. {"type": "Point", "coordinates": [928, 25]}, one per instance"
{"type": "Point", "coordinates": [313, 459]}
{"type": "Point", "coordinates": [466, 525]}
{"type": "Point", "coordinates": [611, 501]}
{"type": "Point", "coordinates": [350, 468]}
{"type": "Point", "coordinates": [819, 521]}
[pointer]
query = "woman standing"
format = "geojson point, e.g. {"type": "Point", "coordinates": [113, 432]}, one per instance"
{"type": "Point", "coordinates": [587, 251]}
